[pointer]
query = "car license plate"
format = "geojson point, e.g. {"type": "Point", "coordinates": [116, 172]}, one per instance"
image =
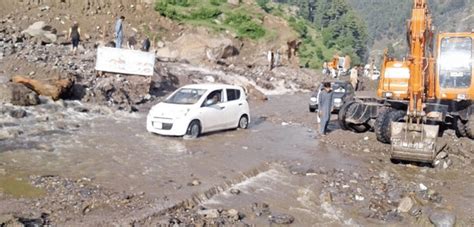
{"type": "Point", "coordinates": [456, 74]}
{"type": "Point", "coordinates": [157, 125]}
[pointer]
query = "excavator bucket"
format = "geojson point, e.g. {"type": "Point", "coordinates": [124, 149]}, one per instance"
{"type": "Point", "coordinates": [414, 142]}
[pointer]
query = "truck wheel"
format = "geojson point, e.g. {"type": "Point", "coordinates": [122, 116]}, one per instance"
{"type": "Point", "coordinates": [383, 124]}
{"type": "Point", "coordinates": [347, 108]}
{"type": "Point", "coordinates": [460, 127]}
{"type": "Point", "coordinates": [469, 126]}
{"type": "Point", "coordinates": [341, 116]}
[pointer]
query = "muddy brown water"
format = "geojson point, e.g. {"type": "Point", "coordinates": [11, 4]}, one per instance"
{"type": "Point", "coordinates": [118, 154]}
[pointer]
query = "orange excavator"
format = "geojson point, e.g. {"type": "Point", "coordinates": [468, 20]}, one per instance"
{"type": "Point", "coordinates": [433, 87]}
{"type": "Point", "coordinates": [338, 66]}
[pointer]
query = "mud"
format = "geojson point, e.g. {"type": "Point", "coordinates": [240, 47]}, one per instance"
{"type": "Point", "coordinates": [103, 167]}
{"type": "Point", "coordinates": [90, 162]}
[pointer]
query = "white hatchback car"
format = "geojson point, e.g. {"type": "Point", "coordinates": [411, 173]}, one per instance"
{"type": "Point", "coordinates": [199, 108]}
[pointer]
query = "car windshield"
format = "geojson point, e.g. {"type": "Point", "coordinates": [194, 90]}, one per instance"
{"type": "Point", "coordinates": [186, 96]}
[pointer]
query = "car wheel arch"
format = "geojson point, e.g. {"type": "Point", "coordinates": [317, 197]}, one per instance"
{"type": "Point", "coordinates": [198, 121]}
{"type": "Point", "coordinates": [243, 115]}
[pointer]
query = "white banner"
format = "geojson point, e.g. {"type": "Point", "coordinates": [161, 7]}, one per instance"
{"type": "Point", "coordinates": [125, 61]}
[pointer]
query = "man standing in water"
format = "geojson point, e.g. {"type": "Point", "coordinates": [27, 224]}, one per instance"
{"type": "Point", "coordinates": [119, 32]}
{"type": "Point", "coordinates": [325, 107]}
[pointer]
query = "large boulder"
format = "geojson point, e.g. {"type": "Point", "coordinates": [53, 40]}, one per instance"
{"type": "Point", "coordinates": [196, 45]}
{"type": "Point", "coordinates": [41, 32]}
{"type": "Point", "coordinates": [54, 89]}
{"type": "Point", "coordinates": [17, 94]}
{"type": "Point", "coordinates": [122, 92]}
{"type": "Point", "coordinates": [229, 51]}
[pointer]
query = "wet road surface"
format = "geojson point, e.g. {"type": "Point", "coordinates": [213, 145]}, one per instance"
{"type": "Point", "coordinates": [271, 162]}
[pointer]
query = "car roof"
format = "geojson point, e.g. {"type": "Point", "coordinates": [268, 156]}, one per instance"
{"type": "Point", "coordinates": [212, 86]}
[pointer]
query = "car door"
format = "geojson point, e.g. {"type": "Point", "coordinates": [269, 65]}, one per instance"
{"type": "Point", "coordinates": [212, 116]}
{"type": "Point", "coordinates": [233, 105]}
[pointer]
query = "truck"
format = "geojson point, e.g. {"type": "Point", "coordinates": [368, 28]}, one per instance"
{"type": "Point", "coordinates": [431, 89]}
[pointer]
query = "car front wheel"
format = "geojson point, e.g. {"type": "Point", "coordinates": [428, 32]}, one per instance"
{"type": "Point", "coordinates": [244, 122]}
{"type": "Point", "coordinates": [194, 129]}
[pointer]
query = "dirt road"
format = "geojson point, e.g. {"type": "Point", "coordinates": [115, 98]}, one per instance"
{"type": "Point", "coordinates": [99, 167]}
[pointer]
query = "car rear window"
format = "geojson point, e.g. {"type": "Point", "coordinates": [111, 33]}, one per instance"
{"type": "Point", "coordinates": [233, 94]}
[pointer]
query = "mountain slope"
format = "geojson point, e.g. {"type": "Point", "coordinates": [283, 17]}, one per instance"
{"type": "Point", "coordinates": [386, 19]}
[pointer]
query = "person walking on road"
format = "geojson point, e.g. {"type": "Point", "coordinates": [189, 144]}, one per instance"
{"type": "Point", "coordinates": [325, 107]}
{"type": "Point", "coordinates": [277, 58]}
{"type": "Point", "coordinates": [271, 59]}
{"type": "Point", "coordinates": [354, 77]}
{"type": "Point", "coordinates": [119, 32]}
{"type": "Point", "coordinates": [75, 36]}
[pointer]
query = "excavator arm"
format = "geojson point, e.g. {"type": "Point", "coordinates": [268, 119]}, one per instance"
{"type": "Point", "coordinates": [414, 139]}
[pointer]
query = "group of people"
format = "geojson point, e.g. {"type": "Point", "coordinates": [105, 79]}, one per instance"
{"type": "Point", "coordinates": [74, 35]}
{"type": "Point", "coordinates": [355, 73]}
{"type": "Point", "coordinates": [273, 59]}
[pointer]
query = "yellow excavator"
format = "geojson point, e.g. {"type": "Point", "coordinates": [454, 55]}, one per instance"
{"type": "Point", "coordinates": [432, 87]}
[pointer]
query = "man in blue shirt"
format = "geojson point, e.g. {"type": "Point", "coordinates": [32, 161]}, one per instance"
{"type": "Point", "coordinates": [119, 32]}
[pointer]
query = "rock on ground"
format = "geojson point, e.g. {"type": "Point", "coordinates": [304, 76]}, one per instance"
{"type": "Point", "coordinates": [405, 204]}
{"type": "Point", "coordinates": [18, 94]}
{"type": "Point", "coordinates": [281, 219]}
{"type": "Point", "coordinates": [41, 31]}
{"type": "Point", "coordinates": [54, 89]}
{"type": "Point", "coordinates": [442, 219]}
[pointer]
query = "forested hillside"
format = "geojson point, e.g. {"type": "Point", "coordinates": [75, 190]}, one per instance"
{"type": "Point", "coordinates": [386, 19]}
{"type": "Point", "coordinates": [341, 28]}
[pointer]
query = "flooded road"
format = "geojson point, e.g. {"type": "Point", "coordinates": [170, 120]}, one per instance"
{"type": "Point", "coordinates": [279, 161]}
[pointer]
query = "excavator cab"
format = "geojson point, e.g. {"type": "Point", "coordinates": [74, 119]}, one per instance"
{"type": "Point", "coordinates": [454, 67]}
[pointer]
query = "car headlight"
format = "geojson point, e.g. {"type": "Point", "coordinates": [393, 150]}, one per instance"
{"type": "Point", "coordinates": [313, 99]}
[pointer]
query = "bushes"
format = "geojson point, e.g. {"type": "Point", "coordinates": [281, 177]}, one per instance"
{"type": "Point", "coordinates": [217, 2]}
{"type": "Point", "coordinates": [165, 10]}
{"type": "Point", "coordinates": [264, 5]}
{"type": "Point", "coordinates": [236, 19]}
{"type": "Point", "coordinates": [183, 3]}
{"type": "Point", "coordinates": [204, 13]}
{"type": "Point", "coordinates": [251, 29]}
{"type": "Point", "coordinates": [242, 23]}
{"type": "Point", "coordinates": [299, 26]}
{"type": "Point", "coordinates": [245, 26]}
